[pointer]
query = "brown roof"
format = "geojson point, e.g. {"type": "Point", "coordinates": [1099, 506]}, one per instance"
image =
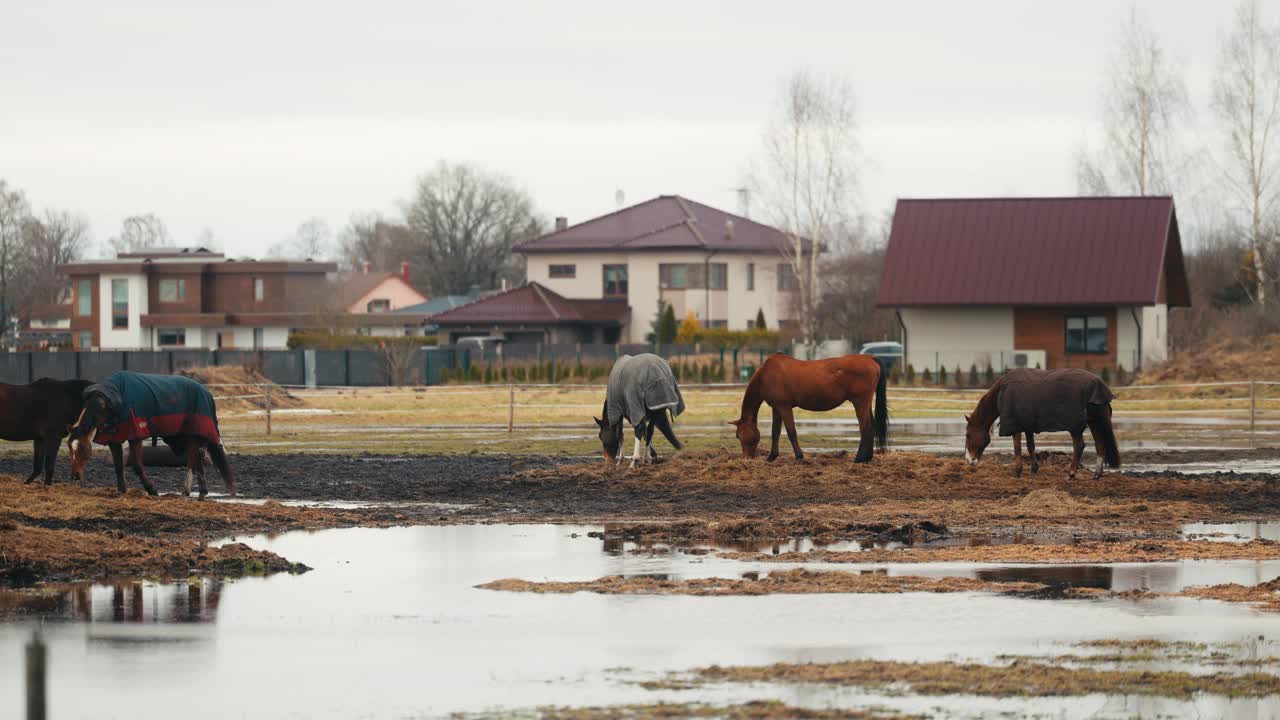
{"type": "Point", "coordinates": [667, 222]}
{"type": "Point", "coordinates": [59, 311]}
{"type": "Point", "coordinates": [533, 304]}
{"type": "Point", "coordinates": [184, 320]}
{"type": "Point", "coordinates": [355, 285]}
{"type": "Point", "coordinates": [220, 267]}
{"type": "Point", "coordinates": [1034, 251]}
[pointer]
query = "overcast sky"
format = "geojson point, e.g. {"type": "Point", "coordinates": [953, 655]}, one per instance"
{"type": "Point", "coordinates": [249, 117]}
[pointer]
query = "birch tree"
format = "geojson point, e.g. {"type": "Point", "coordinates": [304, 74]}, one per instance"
{"type": "Point", "coordinates": [807, 179]}
{"type": "Point", "coordinates": [15, 212]}
{"type": "Point", "coordinates": [1246, 99]}
{"type": "Point", "coordinates": [54, 238]}
{"type": "Point", "coordinates": [1144, 100]}
{"type": "Point", "coordinates": [312, 239]}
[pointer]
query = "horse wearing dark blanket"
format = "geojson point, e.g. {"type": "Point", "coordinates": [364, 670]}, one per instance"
{"type": "Point", "coordinates": [643, 390]}
{"type": "Point", "coordinates": [1035, 401]}
{"type": "Point", "coordinates": [131, 407]}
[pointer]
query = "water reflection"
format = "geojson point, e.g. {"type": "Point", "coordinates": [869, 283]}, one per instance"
{"type": "Point", "coordinates": [193, 601]}
{"type": "Point", "coordinates": [1232, 532]}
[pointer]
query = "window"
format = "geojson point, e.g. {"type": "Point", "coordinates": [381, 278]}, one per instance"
{"type": "Point", "coordinates": [751, 276]}
{"type": "Point", "coordinates": [85, 341]}
{"type": "Point", "coordinates": [719, 276]}
{"type": "Point", "coordinates": [84, 297]}
{"type": "Point", "coordinates": [787, 279]}
{"type": "Point", "coordinates": [119, 304]}
{"type": "Point", "coordinates": [380, 305]}
{"type": "Point", "coordinates": [173, 290]}
{"type": "Point", "coordinates": [259, 289]}
{"type": "Point", "coordinates": [258, 338]}
{"type": "Point", "coordinates": [171, 337]}
{"type": "Point", "coordinates": [615, 280]}
{"type": "Point", "coordinates": [673, 276]}
{"type": "Point", "coordinates": [564, 271]}
{"type": "Point", "coordinates": [718, 324]}
{"type": "Point", "coordinates": [1086, 334]}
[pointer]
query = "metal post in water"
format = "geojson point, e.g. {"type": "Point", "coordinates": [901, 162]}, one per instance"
{"type": "Point", "coordinates": [511, 408]}
{"type": "Point", "coordinates": [36, 660]}
{"type": "Point", "coordinates": [267, 392]}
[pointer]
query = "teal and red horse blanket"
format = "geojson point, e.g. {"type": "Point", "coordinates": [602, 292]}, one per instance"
{"type": "Point", "coordinates": [164, 406]}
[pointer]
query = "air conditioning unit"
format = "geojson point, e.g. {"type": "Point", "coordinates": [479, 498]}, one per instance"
{"type": "Point", "coordinates": [1028, 359]}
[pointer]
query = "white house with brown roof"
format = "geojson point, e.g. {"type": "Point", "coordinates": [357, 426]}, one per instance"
{"type": "Point", "coordinates": [1050, 282]}
{"type": "Point", "coordinates": [722, 267]}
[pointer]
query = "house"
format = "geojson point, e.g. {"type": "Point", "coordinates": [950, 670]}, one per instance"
{"type": "Point", "coordinates": [376, 303]}
{"type": "Point", "coordinates": [534, 313]}
{"type": "Point", "coordinates": [1050, 282]}
{"type": "Point", "coordinates": [45, 326]}
{"type": "Point", "coordinates": [193, 298]}
{"type": "Point", "coordinates": [723, 268]}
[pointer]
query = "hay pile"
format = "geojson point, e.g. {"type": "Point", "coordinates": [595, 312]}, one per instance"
{"type": "Point", "coordinates": [1221, 360]}
{"type": "Point", "coordinates": [239, 380]}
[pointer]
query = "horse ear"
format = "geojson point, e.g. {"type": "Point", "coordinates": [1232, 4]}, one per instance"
{"type": "Point", "coordinates": [735, 423]}
{"type": "Point", "coordinates": [966, 419]}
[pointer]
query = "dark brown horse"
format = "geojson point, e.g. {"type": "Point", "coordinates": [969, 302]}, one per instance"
{"type": "Point", "coordinates": [41, 412]}
{"type": "Point", "coordinates": [1028, 402]}
{"type": "Point", "coordinates": [820, 385]}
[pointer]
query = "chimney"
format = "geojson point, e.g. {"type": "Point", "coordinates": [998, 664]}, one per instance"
{"type": "Point", "coordinates": [366, 266]}
{"type": "Point", "coordinates": [562, 223]}
{"type": "Point", "coordinates": [404, 270]}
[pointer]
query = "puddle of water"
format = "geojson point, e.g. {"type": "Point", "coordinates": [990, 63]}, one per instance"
{"type": "Point", "coordinates": [341, 504]}
{"type": "Point", "coordinates": [386, 610]}
{"type": "Point", "coordinates": [1232, 532]}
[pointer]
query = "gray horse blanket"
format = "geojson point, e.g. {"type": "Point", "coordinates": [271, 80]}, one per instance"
{"type": "Point", "coordinates": [164, 406]}
{"type": "Point", "coordinates": [1037, 401]}
{"type": "Point", "coordinates": [638, 384]}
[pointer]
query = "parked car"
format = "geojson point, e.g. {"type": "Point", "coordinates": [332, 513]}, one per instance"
{"type": "Point", "coordinates": [484, 344]}
{"type": "Point", "coordinates": [887, 350]}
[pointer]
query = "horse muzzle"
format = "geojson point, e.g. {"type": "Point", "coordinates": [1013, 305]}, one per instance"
{"type": "Point", "coordinates": [969, 458]}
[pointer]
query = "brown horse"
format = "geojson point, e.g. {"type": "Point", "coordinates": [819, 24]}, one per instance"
{"type": "Point", "coordinates": [786, 383]}
{"type": "Point", "coordinates": [1028, 402]}
{"type": "Point", "coordinates": [41, 412]}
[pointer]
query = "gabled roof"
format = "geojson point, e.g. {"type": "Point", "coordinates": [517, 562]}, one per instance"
{"type": "Point", "coordinates": [533, 304]}
{"type": "Point", "coordinates": [355, 285]}
{"type": "Point", "coordinates": [436, 305]}
{"type": "Point", "coordinates": [1034, 251]}
{"type": "Point", "coordinates": [667, 222]}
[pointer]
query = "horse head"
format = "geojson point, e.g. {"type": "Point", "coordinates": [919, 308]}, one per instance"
{"type": "Point", "coordinates": [748, 434]}
{"type": "Point", "coordinates": [976, 439]}
{"type": "Point", "coordinates": [80, 435]}
{"type": "Point", "coordinates": [610, 436]}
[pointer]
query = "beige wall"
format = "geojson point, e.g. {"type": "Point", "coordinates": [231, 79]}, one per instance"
{"type": "Point", "coordinates": [394, 289]}
{"type": "Point", "coordinates": [737, 305]}
{"type": "Point", "coordinates": [961, 337]}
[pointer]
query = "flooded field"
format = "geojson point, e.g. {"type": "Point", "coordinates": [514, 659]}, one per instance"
{"type": "Point", "coordinates": [404, 600]}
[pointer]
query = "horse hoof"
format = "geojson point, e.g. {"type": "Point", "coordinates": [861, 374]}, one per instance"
{"type": "Point", "coordinates": [771, 458]}
{"type": "Point", "coordinates": [1017, 471]}
{"type": "Point", "coordinates": [1035, 469]}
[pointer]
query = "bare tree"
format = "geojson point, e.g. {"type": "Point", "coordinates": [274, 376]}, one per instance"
{"type": "Point", "coordinates": [139, 232]}
{"type": "Point", "coordinates": [54, 238]}
{"type": "Point", "coordinates": [312, 239]}
{"type": "Point", "coordinates": [807, 180]}
{"type": "Point", "coordinates": [1143, 102]}
{"type": "Point", "coordinates": [463, 222]}
{"type": "Point", "coordinates": [15, 212]}
{"type": "Point", "coordinates": [1246, 98]}
{"type": "Point", "coordinates": [370, 238]}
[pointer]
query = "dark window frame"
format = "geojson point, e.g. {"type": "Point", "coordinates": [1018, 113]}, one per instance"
{"type": "Point", "coordinates": [1070, 348]}
{"type": "Point", "coordinates": [751, 277]}
{"type": "Point", "coordinates": [179, 333]}
{"type": "Point", "coordinates": [717, 272]}
{"type": "Point", "coordinates": [562, 271]}
{"type": "Point", "coordinates": [620, 283]}
{"type": "Point", "coordinates": [259, 289]}
{"type": "Point", "coordinates": [788, 281]}
{"type": "Point", "coordinates": [179, 287]}
{"type": "Point", "coordinates": [84, 297]}
{"type": "Point", "coordinates": [119, 321]}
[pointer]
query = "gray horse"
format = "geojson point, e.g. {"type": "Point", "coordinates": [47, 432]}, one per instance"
{"type": "Point", "coordinates": [643, 390]}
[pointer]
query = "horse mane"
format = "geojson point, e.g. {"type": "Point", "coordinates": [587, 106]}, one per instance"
{"type": "Point", "coordinates": [986, 411]}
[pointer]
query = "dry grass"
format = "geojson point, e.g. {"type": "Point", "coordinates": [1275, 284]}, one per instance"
{"type": "Point", "coordinates": [237, 381]}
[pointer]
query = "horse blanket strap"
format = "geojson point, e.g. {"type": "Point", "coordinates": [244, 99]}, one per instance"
{"type": "Point", "coordinates": [164, 406]}
{"type": "Point", "coordinates": [1037, 401]}
{"type": "Point", "coordinates": [639, 384]}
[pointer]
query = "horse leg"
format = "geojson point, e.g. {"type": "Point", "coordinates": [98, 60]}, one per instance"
{"type": "Point", "coordinates": [1017, 455]}
{"type": "Point", "coordinates": [199, 465]}
{"type": "Point", "coordinates": [191, 463]}
{"type": "Point", "coordinates": [50, 460]}
{"type": "Point", "coordinates": [37, 460]}
{"type": "Point", "coordinates": [867, 443]}
{"type": "Point", "coordinates": [135, 459]}
{"type": "Point", "coordinates": [776, 431]}
{"type": "Point", "coordinates": [1031, 450]}
{"type": "Point", "coordinates": [788, 419]}
{"type": "Point", "coordinates": [117, 457]}
{"type": "Point", "coordinates": [1100, 449]}
{"type": "Point", "coordinates": [649, 427]}
{"type": "Point", "coordinates": [635, 452]}
{"type": "Point", "coordinates": [1077, 449]}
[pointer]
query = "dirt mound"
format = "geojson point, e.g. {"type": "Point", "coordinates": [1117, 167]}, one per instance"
{"type": "Point", "coordinates": [1220, 360]}
{"type": "Point", "coordinates": [230, 382]}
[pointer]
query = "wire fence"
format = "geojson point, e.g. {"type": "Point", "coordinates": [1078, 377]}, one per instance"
{"type": "Point", "coordinates": [1243, 398]}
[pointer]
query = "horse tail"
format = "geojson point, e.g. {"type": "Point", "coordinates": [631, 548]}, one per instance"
{"type": "Point", "coordinates": [1106, 435]}
{"type": "Point", "coordinates": [662, 421]}
{"type": "Point", "coordinates": [218, 455]}
{"type": "Point", "coordinates": [881, 413]}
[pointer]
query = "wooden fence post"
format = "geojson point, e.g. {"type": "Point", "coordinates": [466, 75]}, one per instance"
{"type": "Point", "coordinates": [36, 659]}
{"type": "Point", "coordinates": [511, 408]}
{"type": "Point", "coordinates": [267, 395]}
